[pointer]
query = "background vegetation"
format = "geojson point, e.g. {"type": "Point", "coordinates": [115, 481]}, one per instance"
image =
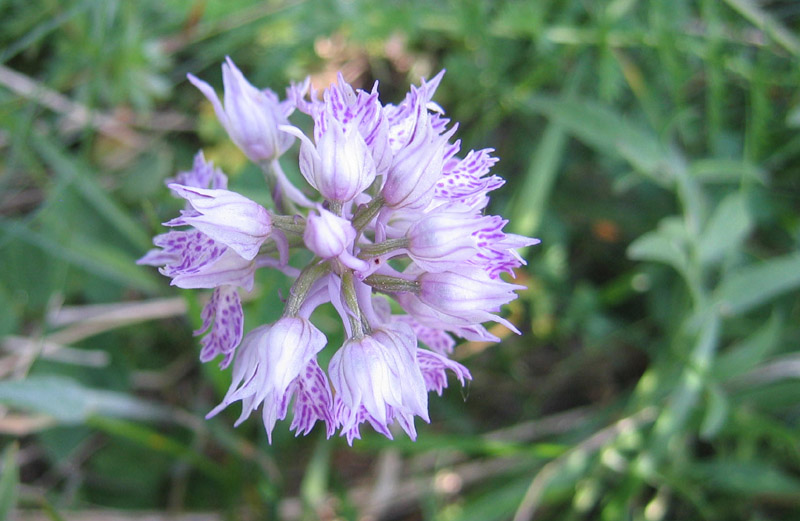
{"type": "Point", "coordinates": [652, 146]}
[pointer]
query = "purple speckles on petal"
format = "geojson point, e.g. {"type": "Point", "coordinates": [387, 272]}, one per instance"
{"type": "Point", "coordinates": [434, 369]}
{"type": "Point", "coordinates": [314, 401]}
{"type": "Point", "coordinates": [223, 336]}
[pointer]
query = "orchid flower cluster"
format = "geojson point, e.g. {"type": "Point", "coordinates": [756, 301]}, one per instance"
{"type": "Point", "coordinates": [399, 216]}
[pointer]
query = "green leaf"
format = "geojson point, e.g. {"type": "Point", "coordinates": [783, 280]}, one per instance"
{"type": "Point", "coordinates": [158, 442]}
{"type": "Point", "coordinates": [498, 503]}
{"type": "Point", "coordinates": [728, 226]}
{"type": "Point", "coordinates": [66, 167]}
{"type": "Point", "coordinates": [9, 481]}
{"type": "Point", "coordinates": [314, 486]}
{"type": "Point", "coordinates": [752, 478]}
{"type": "Point", "coordinates": [757, 284]}
{"type": "Point", "coordinates": [756, 15]}
{"type": "Point", "coordinates": [70, 403]}
{"type": "Point", "coordinates": [716, 412]}
{"type": "Point", "coordinates": [667, 245]}
{"type": "Point", "coordinates": [531, 201]}
{"type": "Point", "coordinates": [748, 352]}
{"type": "Point", "coordinates": [609, 133]}
{"type": "Point", "coordinates": [726, 171]}
{"type": "Point", "coordinates": [91, 257]}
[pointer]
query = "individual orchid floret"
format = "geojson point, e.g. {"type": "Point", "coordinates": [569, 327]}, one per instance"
{"type": "Point", "coordinates": [192, 260]}
{"type": "Point", "coordinates": [340, 166]}
{"type": "Point", "coordinates": [417, 167]}
{"type": "Point", "coordinates": [274, 365]}
{"type": "Point", "coordinates": [498, 250]}
{"type": "Point", "coordinates": [330, 236]}
{"type": "Point", "coordinates": [250, 116]}
{"type": "Point", "coordinates": [226, 217]}
{"type": "Point", "coordinates": [378, 374]}
{"type": "Point", "coordinates": [465, 181]}
{"type": "Point", "coordinates": [351, 108]}
{"type": "Point", "coordinates": [469, 295]}
{"type": "Point", "coordinates": [440, 241]}
{"type": "Point", "coordinates": [202, 175]}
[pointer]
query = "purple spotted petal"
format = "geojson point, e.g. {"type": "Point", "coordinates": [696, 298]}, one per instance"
{"type": "Point", "coordinates": [194, 260]}
{"type": "Point", "coordinates": [313, 401]}
{"type": "Point", "coordinates": [434, 370]}
{"type": "Point", "coordinates": [223, 322]}
{"type": "Point", "coordinates": [436, 339]}
{"type": "Point", "coordinates": [463, 180]}
{"type": "Point", "coordinates": [202, 175]}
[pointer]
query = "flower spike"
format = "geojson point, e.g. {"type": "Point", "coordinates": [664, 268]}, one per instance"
{"type": "Point", "coordinates": [398, 214]}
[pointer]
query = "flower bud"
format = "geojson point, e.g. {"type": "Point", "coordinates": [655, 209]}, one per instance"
{"type": "Point", "coordinates": [329, 236]}
{"type": "Point", "coordinates": [250, 116]}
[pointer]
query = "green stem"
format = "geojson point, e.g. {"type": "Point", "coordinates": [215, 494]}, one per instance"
{"type": "Point", "coordinates": [382, 248]}
{"type": "Point", "coordinates": [365, 214]}
{"type": "Point", "coordinates": [351, 300]}
{"type": "Point", "coordinates": [388, 284]}
{"type": "Point", "coordinates": [289, 223]}
{"type": "Point", "coordinates": [301, 287]}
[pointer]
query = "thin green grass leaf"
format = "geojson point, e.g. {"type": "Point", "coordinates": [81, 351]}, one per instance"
{"type": "Point", "coordinates": [726, 171]}
{"type": "Point", "coordinates": [93, 194]}
{"type": "Point", "coordinates": [609, 133]}
{"type": "Point", "coordinates": [753, 13]}
{"type": "Point", "coordinates": [750, 479]}
{"type": "Point", "coordinates": [717, 410]}
{"type": "Point", "coordinates": [91, 257]}
{"type": "Point", "coordinates": [314, 488]}
{"type": "Point", "coordinates": [684, 398]}
{"type": "Point", "coordinates": [68, 402]}
{"type": "Point", "coordinates": [498, 503]}
{"type": "Point", "coordinates": [158, 442]}
{"type": "Point", "coordinates": [9, 481]}
{"type": "Point", "coordinates": [530, 202]}
{"type": "Point", "coordinates": [51, 23]}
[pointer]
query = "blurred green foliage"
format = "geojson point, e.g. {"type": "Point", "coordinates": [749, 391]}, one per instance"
{"type": "Point", "coordinates": [653, 146]}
